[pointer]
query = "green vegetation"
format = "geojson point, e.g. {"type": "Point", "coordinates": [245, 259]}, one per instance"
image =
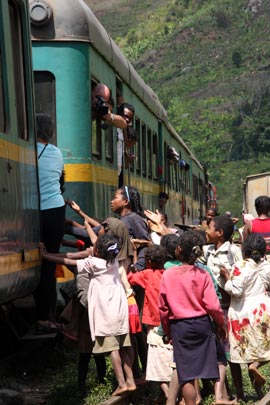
{"type": "Point", "coordinates": [46, 372]}
{"type": "Point", "coordinates": [209, 63]}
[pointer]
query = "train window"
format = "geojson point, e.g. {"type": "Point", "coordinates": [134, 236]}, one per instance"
{"type": "Point", "coordinates": [2, 105]}
{"type": "Point", "coordinates": [96, 139]}
{"type": "Point", "coordinates": [195, 187]}
{"type": "Point", "coordinates": [109, 143]}
{"type": "Point", "coordinates": [166, 165]}
{"type": "Point", "coordinates": [144, 164]}
{"type": "Point", "coordinates": [173, 175]}
{"type": "Point", "coordinates": [138, 145]}
{"type": "Point", "coordinates": [187, 179]}
{"type": "Point", "coordinates": [18, 63]}
{"type": "Point", "coordinates": [45, 98]}
{"type": "Point", "coordinates": [155, 157]}
{"type": "Point", "coordinates": [119, 92]}
{"type": "Point", "coordinates": [150, 153]}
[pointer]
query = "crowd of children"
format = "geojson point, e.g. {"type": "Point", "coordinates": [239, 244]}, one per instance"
{"type": "Point", "coordinates": [186, 303]}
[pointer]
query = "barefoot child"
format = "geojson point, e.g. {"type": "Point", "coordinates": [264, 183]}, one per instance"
{"type": "Point", "coordinates": [159, 352]}
{"type": "Point", "coordinates": [249, 311]}
{"type": "Point", "coordinates": [107, 306]}
{"type": "Point", "coordinates": [187, 300]}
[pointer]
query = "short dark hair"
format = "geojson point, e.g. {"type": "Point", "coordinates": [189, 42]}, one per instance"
{"type": "Point", "coordinates": [225, 223]}
{"type": "Point", "coordinates": [170, 242]}
{"type": "Point", "coordinates": [163, 195]}
{"type": "Point", "coordinates": [127, 106]}
{"type": "Point", "coordinates": [44, 126]}
{"type": "Point", "coordinates": [262, 204]}
{"type": "Point", "coordinates": [157, 255]}
{"type": "Point", "coordinates": [254, 247]}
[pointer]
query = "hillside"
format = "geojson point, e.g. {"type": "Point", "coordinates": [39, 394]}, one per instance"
{"type": "Point", "coordinates": [209, 63]}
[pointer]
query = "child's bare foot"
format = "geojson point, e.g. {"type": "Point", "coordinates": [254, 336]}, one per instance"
{"type": "Point", "coordinates": [120, 391]}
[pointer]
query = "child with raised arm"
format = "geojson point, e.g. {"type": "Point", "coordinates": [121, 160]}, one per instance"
{"type": "Point", "coordinates": [187, 300]}
{"type": "Point", "coordinates": [249, 311]}
{"type": "Point", "coordinates": [107, 306]}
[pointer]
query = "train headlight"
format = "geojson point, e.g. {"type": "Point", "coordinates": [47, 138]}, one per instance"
{"type": "Point", "coordinates": [40, 12]}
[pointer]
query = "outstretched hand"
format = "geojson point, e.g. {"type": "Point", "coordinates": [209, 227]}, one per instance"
{"type": "Point", "coordinates": [136, 243]}
{"type": "Point", "coordinates": [73, 205]}
{"type": "Point", "coordinates": [155, 217]}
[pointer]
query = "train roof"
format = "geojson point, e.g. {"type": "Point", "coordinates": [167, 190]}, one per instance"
{"type": "Point", "coordinates": [72, 20]}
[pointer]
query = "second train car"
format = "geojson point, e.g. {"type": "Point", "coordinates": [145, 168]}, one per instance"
{"type": "Point", "coordinates": [71, 53]}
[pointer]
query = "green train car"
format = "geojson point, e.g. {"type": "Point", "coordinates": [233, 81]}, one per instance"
{"type": "Point", "coordinates": [19, 202]}
{"type": "Point", "coordinates": [71, 52]}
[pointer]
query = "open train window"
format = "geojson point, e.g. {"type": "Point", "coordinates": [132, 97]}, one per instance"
{"type": "Point", "coordinates": [150, 152]}
{"type": "Point", "coordinates": [45, 98]}
{"type": "Point", "coordinates": [108, 143]}
{"type": "Point", "coordinates": [144, 163]}
{"type": "Point", "coordinates": [96, 131]}
{"type": "Point", "coordinates": [18, 64]}
{"type": "Point", "coordinates": [155, 157]}
{"type": "Point", "coordinates": [2, 105]}
{"type": "Point", "coordinates": [166, 165]}
{"type": "Point", "coordinates": [96, 139]}
{"type": "Point", "coordinates": [138, 145]}
{"type": "Point", "coordinates": [195, 193]}
{"type": "Point", "coordinates": [119, 92]}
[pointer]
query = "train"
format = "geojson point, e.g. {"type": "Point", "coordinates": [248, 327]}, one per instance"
{"type": "Point", "coordinates": [52, 53]}
{"type": "Point", "coordinates": [254, 186]}
{"type": "Point", "coordinates": [72, 52]}
{"type": "Point", "coordinates": [19, 203]}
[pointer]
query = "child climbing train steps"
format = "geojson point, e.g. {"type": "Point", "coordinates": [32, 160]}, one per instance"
{"type": "Point", "coordinates": [249, 312]}
{"type": "Point", "coordinates": [187, 298]}
{"type": "Point", "coordinates": [107, 306]}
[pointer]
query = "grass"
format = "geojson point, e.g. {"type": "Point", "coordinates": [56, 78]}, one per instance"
{"type": "Point", "coordinates": [49, 371]}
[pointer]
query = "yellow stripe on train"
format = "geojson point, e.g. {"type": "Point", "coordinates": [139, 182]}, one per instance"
{"type": "Point", "coordinates": [17, 153]}
{"type": "Point", "coordinates": [17, 262]}
{"type": "Point", "coordinates": [91, 173]}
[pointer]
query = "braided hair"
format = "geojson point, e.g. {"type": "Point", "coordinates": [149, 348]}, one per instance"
{"type": "Point", "coordinates": [191, 244]}
{"type": "Point", "coordinates": [133, 196]}
{"type": "Point", "coordinates": [107, 247]}
{"type": "Point", "coordinates": [254, 247]}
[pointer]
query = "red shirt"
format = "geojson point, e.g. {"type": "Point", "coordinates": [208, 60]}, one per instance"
{"type": "Point", "coordinates": [149, 279]}
{"type": "Point", "coordinates": [187, 292]}
{"type": "Point", "coordinates": [262, 227]}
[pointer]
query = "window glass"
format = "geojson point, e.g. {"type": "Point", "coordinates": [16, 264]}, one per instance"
{"type": "Point", "coordinates": [2, 105]}
{"type": "Point", "coordinates": [109, 143]}
{"type": "Point", "coordinates": [96, 139]}
{"type": "Point", "coordinates": [149, 150]}
{"type": "Point", "coordinates": [155, 157]}
{"type": "Point", "coordinates": [144, 165]}
{"type": "Point", "coordinates": [18, 64]}
{"type": "Point", "coordinates": [45, 98]}
{"type": "Point", "coordinates": [138, 145]}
